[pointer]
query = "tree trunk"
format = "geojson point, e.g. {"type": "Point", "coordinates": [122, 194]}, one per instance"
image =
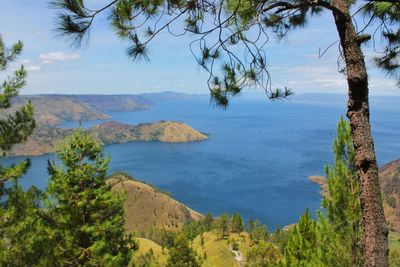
{"type": "Point", "coordinates": [375, 230]}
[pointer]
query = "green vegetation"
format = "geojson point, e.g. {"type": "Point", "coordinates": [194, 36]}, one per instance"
{"type": "Point", "coordinates": [237, 224]}
{"type": "Point", "coordinates": [335, 239]}
{"type": "Point", "coordinates": [181, 254]}
{"type": "Point", "coordinates": [394, 240]}
{"type": "Point", "coordinates": [87, 216]}
{"type": "Point", "coordinates": [262, 255]}
{"type": "Point", "coordinates": [222, 225]}
{"type": "Point", "coordinates": [149, 254]}
{"type": "Point", "coordinates": [17, 208]}
{"type": "Point", "coordinates": [257, 231]}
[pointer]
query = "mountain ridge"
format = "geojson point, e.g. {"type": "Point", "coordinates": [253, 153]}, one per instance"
{"type": "Point", "coordinates": [45, 139]}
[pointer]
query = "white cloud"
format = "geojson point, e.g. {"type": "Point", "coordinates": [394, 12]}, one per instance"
{"type": "Point", "coordinates": [49, 58]}
{"type": "Point", "coordinates": [34, 68]}
{"type": "Point", "coordinates": [30, 66]}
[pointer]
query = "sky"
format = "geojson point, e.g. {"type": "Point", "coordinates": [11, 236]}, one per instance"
{"type": "Point", "coordinates": [102, 67]}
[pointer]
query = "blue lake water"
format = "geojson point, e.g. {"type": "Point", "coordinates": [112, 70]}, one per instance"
{"type": "Point", "coordinates": [256, 161]}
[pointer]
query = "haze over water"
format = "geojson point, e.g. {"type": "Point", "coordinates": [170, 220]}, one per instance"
{"type": "Point", "coordinates": [257, 159]}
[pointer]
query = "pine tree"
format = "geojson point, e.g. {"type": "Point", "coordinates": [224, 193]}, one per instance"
{"type": "Point", "coordinates": [337, 235]}
{"type": "Point", "coordinates": [208, 222]}
{"type": "Point", "coordinates": [17, 126]}
{"type": "Point", "coordinates": [237, 225]}
{"type": "Point", "coordinates": [257, 231]}
{"type": "Point", "coordinates": [17, 208]}
{"type": "Point", "coordinates": [303, 247]}
{"type": "Point", "coordinates": [222, 225]}
{"type": "Point", "coordinates": [341, 206]}
{"type": "Point", "coordinates": [181, 254]}
{"type": "Point", "coordinates": [87, 217]}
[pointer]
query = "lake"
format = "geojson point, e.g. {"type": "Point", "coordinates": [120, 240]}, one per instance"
{"type": "Point", "coordinates": [257, 159]}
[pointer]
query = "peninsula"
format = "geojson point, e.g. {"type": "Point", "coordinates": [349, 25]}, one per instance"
{"type": "Point", "coordinates": [45, 139]}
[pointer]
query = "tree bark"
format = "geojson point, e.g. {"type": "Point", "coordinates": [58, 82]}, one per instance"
{"type": "Point", "coordinates": [375, 229]}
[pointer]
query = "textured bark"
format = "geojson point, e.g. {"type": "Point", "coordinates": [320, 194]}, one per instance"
{"type": "Point", "coordinates": [374, 223]}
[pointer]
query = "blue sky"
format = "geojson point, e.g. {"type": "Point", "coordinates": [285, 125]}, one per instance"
{"type": "Point", "coordinates": [102, 67]}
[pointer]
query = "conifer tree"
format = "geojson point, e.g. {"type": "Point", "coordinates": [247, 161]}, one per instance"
{"type": "Point", "coordinates": [237, 225]}
{"type": "Point", "coordinates": [17, 208]}
{"type": "Point", "coordinates": [181, 254]}
{"type": "Point", "coordinates": [222, 225]}
{"type": "Point", "coordinates": [302, 247]}
{"type": "Point", "coordinates": [337, 234]}
{"type": "Point", "coordinates": [257, 231]}
{"type": "Point", "coordinates": [87, 217]}
{"type": "Point", "coordinates": [341, 205]}
{"type": "Point", "coordinates": [208, 222]}
{"type": "Point", "coordinates": [17, 126]}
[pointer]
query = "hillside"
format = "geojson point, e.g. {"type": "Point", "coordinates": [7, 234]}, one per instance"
{"type": "Point", "coordinates": [389, 176]}
{"type": "Point", "coordinates": [55, 109]}
{"type": "Point", "coordinates": [147, 246]}
{"type": "Point", "coordinates": [218, 252]}
{"type": "Point", "coordinates": [45, 139]}
{"type": "Point", "coordinates": [147, 207]}
{"type": "Point", "coordinates": [112, 103]}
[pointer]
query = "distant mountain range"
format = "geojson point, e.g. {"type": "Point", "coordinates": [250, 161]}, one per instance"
{"type": "Point", "coordinates": [56, 109]}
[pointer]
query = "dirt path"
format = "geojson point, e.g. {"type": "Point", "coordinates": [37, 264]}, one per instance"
{"type": "Point", "coordinates": [238, 257]}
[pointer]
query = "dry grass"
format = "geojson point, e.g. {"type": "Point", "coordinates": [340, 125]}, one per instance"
{"type": "Point", "coordinates": [219, 252]}
{"type": "Point", "coordinates": [147, 207]}
{"type": "Point", "coordinates": [145, 245]}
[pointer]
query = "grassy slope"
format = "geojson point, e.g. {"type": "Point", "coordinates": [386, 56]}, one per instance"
{"type": "Point", "coordinates": [394, 241]}
{"type": "Point", "coordinates": [218, 251]}
{"type": "Point", "coordinates": [144, 247]}
{"type": "Point", "coordinates": [147, 207]}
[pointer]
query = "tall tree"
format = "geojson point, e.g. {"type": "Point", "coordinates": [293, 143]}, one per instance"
{"type": "Point", "coordinates": [302, 248]}
{"type": "Point", "coordinates": [234, 33]}
{"type": "Point", "coordinates": [335, 239]}
{"type": "Point", "coordinates": [17, 208]}
{"type": "Point", "coordinates": [341, 205]}
{"type": "Point", "coordinates": [222, 225]}
{"type": "Point", "coordinates": [257, 231]}
{"type": "Point", "coordinates": [86, 217]}
{"type": "Point", "coordinates": [237, 224]}
{"type": "Point", "coordinates": [181, 254]}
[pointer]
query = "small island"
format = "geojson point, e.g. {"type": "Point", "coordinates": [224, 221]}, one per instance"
{"type": "Point", "coordinates": [45, 139]}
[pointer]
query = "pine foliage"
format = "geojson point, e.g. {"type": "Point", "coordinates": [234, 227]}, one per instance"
{"type": "Point", "coordinates": [17, 208]}
{"type": "Point", "coordinates": [87, 217]}
{"type": "Point", "coordinates": [181, 254]}
{"type": "Point", "coordinates": [335, 238]}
